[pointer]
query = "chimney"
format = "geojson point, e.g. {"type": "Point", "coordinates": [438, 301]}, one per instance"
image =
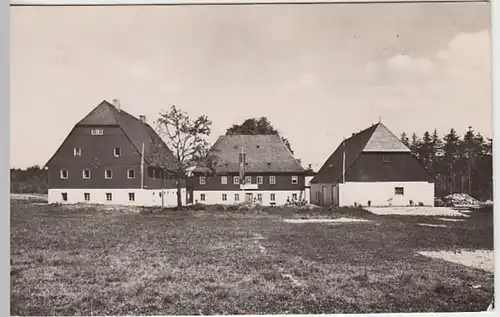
{"type": "Point", "coordinates": [116, 103]}
{"type": "Point", "coordinates": [142, 118]}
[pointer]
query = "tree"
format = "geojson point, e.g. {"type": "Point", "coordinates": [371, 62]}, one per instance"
{"type": "Point", "coordinates": [186, 139]}
{"type": "Point", "coordinates": [415, 144]}
{"type": "Point", "coordinates": [253, 126]}
{"type": "Point", "coordinates": [405, 140]}
{"type": "Point", "coordinates": [426, 150]}
{"type": "Point", "coordinates": [451, 155]}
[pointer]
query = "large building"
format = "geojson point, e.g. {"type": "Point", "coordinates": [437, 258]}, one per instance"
{"type": "Point", "coordinates": [372, 168]}
{"type": "Point", "coordinates": [272, 175]}
{"type": "Point", "coordinates": [111, 157]}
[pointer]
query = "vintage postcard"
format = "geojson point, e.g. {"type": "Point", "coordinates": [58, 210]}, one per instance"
{"type": "Point", "coordinates": [251, 159]}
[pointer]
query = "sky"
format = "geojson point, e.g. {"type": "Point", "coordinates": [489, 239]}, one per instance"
{"type": "Point", "coordinates": [318, 72]}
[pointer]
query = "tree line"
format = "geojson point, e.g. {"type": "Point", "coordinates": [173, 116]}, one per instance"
{"type": "Point", "coordinates": [458, 163]}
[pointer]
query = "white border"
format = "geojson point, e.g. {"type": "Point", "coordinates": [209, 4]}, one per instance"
{"type": "Point", "coordinates": [4, 74]}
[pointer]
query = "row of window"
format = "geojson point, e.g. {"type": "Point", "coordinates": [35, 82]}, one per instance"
{"type": "Point", "coordinates": [272, 197]}
{"type": "Point", "coordinates": [109, 196]}
{"type": "Point", "coordinates": [86, 174]}
{"type": "Point", "coordinates": [248, 180]}
{"type": "Point", "coordinates": [116, 151]}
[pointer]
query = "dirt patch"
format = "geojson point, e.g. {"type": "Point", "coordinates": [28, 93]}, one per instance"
{"type": "Point", "coordinates": [326, 220]}
{"type": "Point", "coordinates": [431, 225]}
{"type": "Point", "coordinates": [417, 211]}
{"type": "Point", "coordinates": [450, 219]}
{"type": "Point", "coordinates": [479, 259]}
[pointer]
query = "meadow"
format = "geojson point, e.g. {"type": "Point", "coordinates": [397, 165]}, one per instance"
{"type": "Point", "coordinates": [84, 260]}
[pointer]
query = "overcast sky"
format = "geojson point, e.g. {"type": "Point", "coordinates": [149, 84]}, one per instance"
{"type": "Point", "coordinates": [318, 72]}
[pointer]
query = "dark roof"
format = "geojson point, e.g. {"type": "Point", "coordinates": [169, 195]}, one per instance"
{"type": "Point", "coordinates": [376, 138]}
{"type": "Point", "coordinates": [264, 153]}
{"type": "Point", "coordinates": [156, 151]}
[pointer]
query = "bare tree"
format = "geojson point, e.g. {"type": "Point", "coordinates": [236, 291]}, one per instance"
{"type": "Point", "coordinates": [186, 139]}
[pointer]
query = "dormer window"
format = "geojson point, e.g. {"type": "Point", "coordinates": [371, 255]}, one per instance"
{"type": "Point", "coordinates": [117, 151]}
{"type": "Point", "coordinates": [97, 131]}
{"type": "Point", "coordinates": [77, 151]}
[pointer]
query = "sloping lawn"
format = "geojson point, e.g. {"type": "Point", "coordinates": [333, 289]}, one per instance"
{"type": "Point", "coordinates": [88, 262]}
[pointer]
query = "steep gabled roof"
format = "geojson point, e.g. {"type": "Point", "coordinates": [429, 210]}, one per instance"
{"type": "Point", "coordinates": [264, 154]}
{"type": "Point", "coordinates": [376, 138]}
{"type": "Point", "coordinates": [156, 151]}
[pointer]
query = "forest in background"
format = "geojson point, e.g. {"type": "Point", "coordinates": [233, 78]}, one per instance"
{"type": "Point", "coordinates": [460, 164]}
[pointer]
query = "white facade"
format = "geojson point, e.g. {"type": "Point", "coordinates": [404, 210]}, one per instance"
{"type": "Point", "coordinates": [141, 197]}
{"type": "Point", "coordinates": [386, 193]}
{"type": "Point", "coordinates": [212, 197]}
{"type": "Point", "coordinates": [377, 193]}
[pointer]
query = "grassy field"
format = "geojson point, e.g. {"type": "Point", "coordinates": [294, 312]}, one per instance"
{"type": "Point", "coordinates": [83, 262]}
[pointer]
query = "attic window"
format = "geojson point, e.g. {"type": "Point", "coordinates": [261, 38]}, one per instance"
{"type": "Point", "coordinates": [386, 158]}
{"type": "Point", "coordinates": [77, 151]}
{"type": "Point", "coordinates": [117, 151]}
{"type": "Point", "coordinates": [108, 174]}
{"type": "Point", "coordinates": [86, 174]}
{"type": "Point", "coordinates": [97, 131]}
{"type": "Point", "coordinates": [64, 174]}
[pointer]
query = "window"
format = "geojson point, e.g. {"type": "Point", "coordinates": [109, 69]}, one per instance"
{"type": "Point", "coordinates": [77, 151]}
{"type": "Point", "coordinates": [203, 180]}
{"type": "Point", "coordinates": [109, 196]}
{"type": "Point", "coordinates": [154, 173]}
{"type": "Point", "coordinates": [202, 197]}
{"type": "Point", "coordinates": [131, 173]}
{"type": "Point", "coordinates": [260, 180]}
{"type": "Point", "coordinates": [399, 191]}
{"type": "Point", "coordinates": [386, 158]}
{"type": "Point", "coordinates": [294, 196]}
{"type": "Point", "coordinates": [224, 197]}
{"type": "Point", "coordinates": [236, 179]}
{"type": "Point", "coordinates": [86, 196]}
{"type": "Point", "coordinates": [96, 131]}
{"type": "Point", "coordinates": [248, 179]}
{"type": "Point", "coordinates": [64, 173]}
{"type": "Point", "coordinates": [108, 174]}
{"type": "Point", "coordinates": [259, 197]}
{"type": "Point", "coordinates": [273, 197]}
{"type": "Point", "coordinates": [86, 173]}
{"type": "Point", "coordinates": [236, 197]}
{"type": "Point", "coordinates": [64, 196]}
{"type": "Point", "coordinates": [131, 196]}
{"type": "Point", "coordinates": [272, 179]}
{"type": "Point", "coordinates": [295, 179]}
{"type": "Point", "coordinates": [223, 179]}
{"type": "Point", "coordinates": [117, 151]}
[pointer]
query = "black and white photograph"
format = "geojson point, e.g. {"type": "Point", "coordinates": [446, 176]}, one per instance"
{"type": "Point", "coordinates": [249, 159]}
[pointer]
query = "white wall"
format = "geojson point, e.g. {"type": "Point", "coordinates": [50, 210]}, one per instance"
{"type": "Point", "coordinates": [143, 197]}
{"type": "Point", "coordinates": [383, 193]}
{"type": "Point", "coordinates": [213, 197]}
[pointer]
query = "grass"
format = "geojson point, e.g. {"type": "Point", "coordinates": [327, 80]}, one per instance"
{"type": "Point", "coordinates": [81, 261]}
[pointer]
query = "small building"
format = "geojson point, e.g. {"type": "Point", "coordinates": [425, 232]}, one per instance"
{"type": "Point", "coordinates": [372, 168]}
{"type": "Point", "coordinates": [272, 176]}
{"type": "Point", "coordinates": [111, 157]}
